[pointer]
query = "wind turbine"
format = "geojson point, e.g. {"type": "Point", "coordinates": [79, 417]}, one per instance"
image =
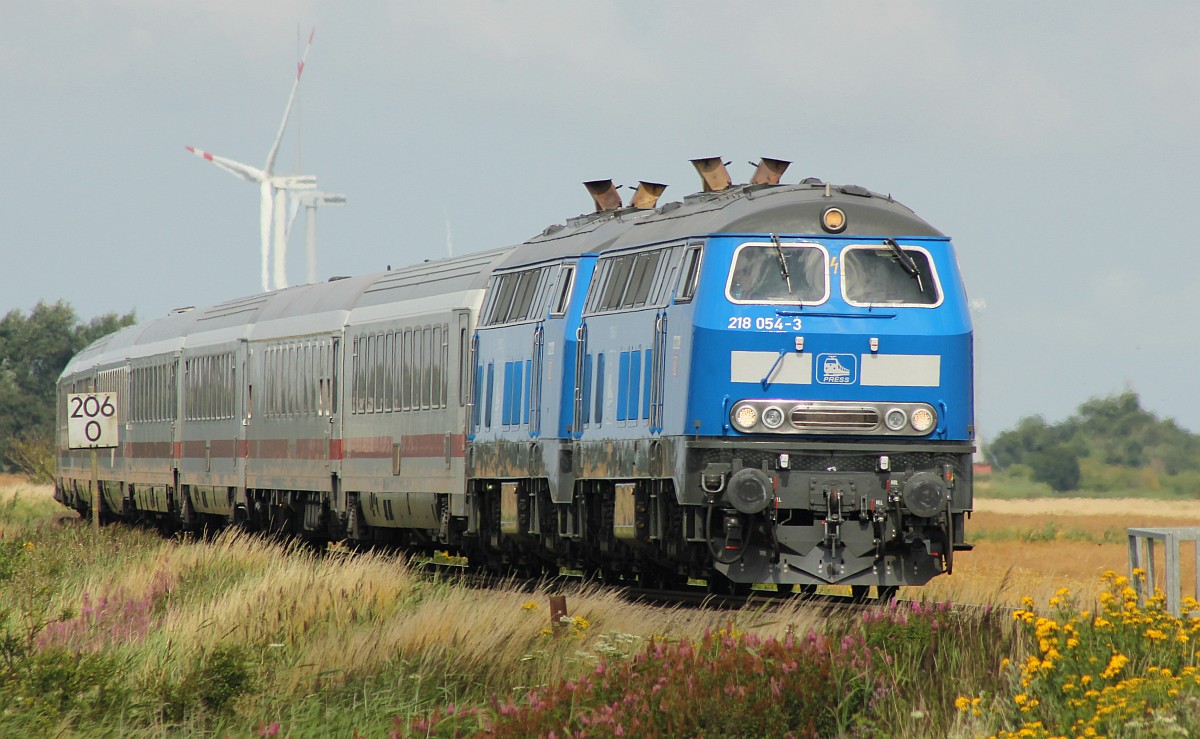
{"type": "Point", "coordinates": [273, 189]}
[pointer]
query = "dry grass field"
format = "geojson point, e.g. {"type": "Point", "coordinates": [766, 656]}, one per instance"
{"type": "Point", "coordinates": [1036, 546]}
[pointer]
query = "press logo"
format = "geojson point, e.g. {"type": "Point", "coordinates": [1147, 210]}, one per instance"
{"type": "Point", "coordinates": [837, 369]}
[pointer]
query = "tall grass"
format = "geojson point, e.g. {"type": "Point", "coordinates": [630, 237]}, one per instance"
{"type": "Point", "coordinates": [130, 634]}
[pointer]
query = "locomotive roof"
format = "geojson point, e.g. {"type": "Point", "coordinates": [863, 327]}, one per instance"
{"type": "Point", "coordinates": [779, 209]}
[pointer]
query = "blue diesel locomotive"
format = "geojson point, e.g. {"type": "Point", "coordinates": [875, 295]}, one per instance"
{"type": "Point", "coordinates": [764, 383]}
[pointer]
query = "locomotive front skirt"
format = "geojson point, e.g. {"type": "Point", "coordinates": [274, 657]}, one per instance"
{"type": "Point", "coordinates": [765, 383]}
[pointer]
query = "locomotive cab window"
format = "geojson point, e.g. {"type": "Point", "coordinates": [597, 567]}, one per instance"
{"type": "Point", "coordinates": [690, 276]}
{"type": "Point", "coordinates": [874, 275]}
{"type": "Point", "coordinates": [566, 281]}
{"type": "Point", "coordinates": [778, 273]}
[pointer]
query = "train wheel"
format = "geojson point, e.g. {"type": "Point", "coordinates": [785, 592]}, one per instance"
{"type": "Point", "coordinates": [718, 584]}
{"type": "Point", "coordinates": [860, 593]}
{"type": "Point", "coordinates": [886, 593]}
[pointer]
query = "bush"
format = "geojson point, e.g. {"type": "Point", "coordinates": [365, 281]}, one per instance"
{"type": "Point", "coordinates": [32, 454]}
{"type": "Point", "coordinates": [1127, 670]}
{"type": "Point", "coordinates": [214, 684]}
{"type": "Point", "coordinates": [728, 684]}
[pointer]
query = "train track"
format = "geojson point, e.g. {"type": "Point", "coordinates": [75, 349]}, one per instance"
{"type": "Point", "coordinates": [696, 596]}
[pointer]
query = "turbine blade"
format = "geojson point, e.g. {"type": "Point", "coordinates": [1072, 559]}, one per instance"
{"type": "Point", "coordinates": [245, 171]}
{"type": "Point", "coordinates": [291, 221]}
{"type": "Point", "coordinates": [287, 112]}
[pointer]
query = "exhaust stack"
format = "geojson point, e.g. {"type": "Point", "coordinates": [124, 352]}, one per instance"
{"type": "Point", "coordinates": [647, 195]}
{"type": "Point", "coordinates": [713, 173]}
{"type": "Point", "coordinates": [604, 195]}
{"type": "Point", "coordinates": [769, 171]}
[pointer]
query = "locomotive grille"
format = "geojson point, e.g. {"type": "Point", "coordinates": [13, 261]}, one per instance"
{"type": "Point", "coordinates": [842, 418]}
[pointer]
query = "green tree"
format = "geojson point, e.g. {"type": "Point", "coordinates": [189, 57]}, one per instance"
{"type": "Point", "coordinates": [1112, 434]}
{"type": "Point", "coordinates": [34, 349]}
{"type": "Point", "coordinates": [1058, 467]}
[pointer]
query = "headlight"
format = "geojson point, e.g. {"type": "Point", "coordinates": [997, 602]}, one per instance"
{"type": "Point", "coordinates": [745, 417]}
{"type": "Point", "coordinates": [895, 419]}
{"type": "Point", "coordinates": [922, 420]}
{"type": "Point", "coordinates": [772, 417]}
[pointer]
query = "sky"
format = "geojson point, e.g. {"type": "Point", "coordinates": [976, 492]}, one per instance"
{"type": "Point", "coordinates": [1056, 143]}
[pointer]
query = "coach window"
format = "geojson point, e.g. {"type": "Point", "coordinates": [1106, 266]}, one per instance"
{"type": "Point", "coordinates": [360, 377]}
{"type": "Point", "coordinates": [322, 369]}
{"type": "Point", "coordinates": [381, 383]}
{"type": "Point", "coordinates": [290, 380]}
{"type": "Point", "coordinates": [273, 402]}
{"type": "Point", "coordinates": [406, 370]}
{"type": "Point", "coordinates": [873, 275]}
{"type": "Point", "coordinates": [437, 367]}
{"type": "Point", "coordinates": [372, 373]}
{"type": "Point", "coordinates": [426, 367]}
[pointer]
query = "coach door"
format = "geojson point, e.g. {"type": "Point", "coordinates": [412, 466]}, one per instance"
{"type": "Point", "coordinates": [241, 448]}
{"type": "Point", "coordinates": [330, 386]}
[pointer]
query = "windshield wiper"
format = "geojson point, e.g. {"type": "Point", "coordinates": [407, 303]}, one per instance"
{"type": "Point", "coordinates": [783, 268]}
{"type": "Point", "coordinates": [906, 262]}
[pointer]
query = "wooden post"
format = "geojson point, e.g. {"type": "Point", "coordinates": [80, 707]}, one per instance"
{"type": "Point", "coordinates": [95, 496]}
{"type": "Point", "coordinates": [558, 611]}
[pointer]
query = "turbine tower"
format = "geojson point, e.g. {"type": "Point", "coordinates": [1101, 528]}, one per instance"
{"type": "Point", "coordinates": [273, 190]}
{"type": "Point", "coordinates": [311, 200]}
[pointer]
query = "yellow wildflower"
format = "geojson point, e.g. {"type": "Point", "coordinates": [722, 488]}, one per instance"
{"type": "Point", "coordinates": [1115, 665]}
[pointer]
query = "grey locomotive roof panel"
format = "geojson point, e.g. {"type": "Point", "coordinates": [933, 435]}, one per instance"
{"type": "Point", "coordinates": [781, 209]}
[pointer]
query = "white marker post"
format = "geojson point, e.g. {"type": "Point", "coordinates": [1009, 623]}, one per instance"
{"type": "Point", "coordinates": [92, 424]}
